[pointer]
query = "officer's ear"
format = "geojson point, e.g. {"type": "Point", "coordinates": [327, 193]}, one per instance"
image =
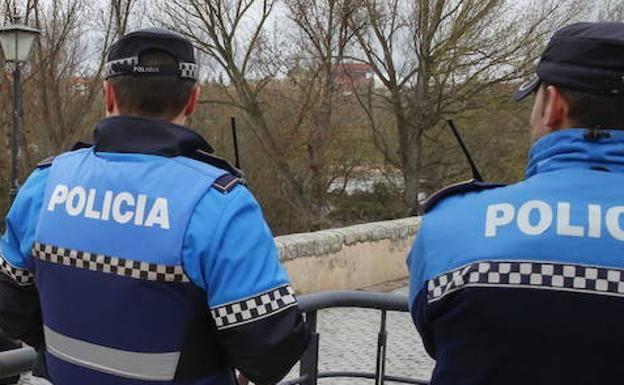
{"type": "Point", "coordinates": [193, 99]}
{"type": "Point", "coordinates": [555, 109]}
{"type": "Point", "coordinates": [110, 99]}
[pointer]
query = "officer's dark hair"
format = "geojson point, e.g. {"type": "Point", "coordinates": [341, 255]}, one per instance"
{"type": "Point", "coordinates": [591, 110]}
{"type": "Point", "coordinates": [161, 97]}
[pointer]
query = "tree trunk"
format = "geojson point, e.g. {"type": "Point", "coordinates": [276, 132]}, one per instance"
{"type": "Point", "coordinates": [410, 161]}
{"type": "Point", "coordinates": [317, 145]}
{"type": "Point", "coordinates": [294, 190]}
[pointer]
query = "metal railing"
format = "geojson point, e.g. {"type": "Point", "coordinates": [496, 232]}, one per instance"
{"type": "Point", "coordinates": [15, 362]}
{"type": "Point", "coordinates": [19, 361]}
{"type": "Point", "coordinates": [310, 304]}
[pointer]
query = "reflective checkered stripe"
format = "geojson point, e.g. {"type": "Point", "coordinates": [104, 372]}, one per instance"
{"type": "Point", "coordinates": [189, 71]}
{"type": "Point", "coordinates": [22, 277]}
{"type": "Point", "coordinates": [109, 265]}
{"type": "Point", "coordinates": [254, 308]}
{"type": "Point", "coordinates": [186, 70]}
{"type": "Point", "coordinates": [110, 67]}
{"type": "Point", "coordinates": [531, 275]}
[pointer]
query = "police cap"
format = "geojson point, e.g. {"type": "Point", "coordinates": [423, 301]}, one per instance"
{"type": "Point", "coordinates": [124, 56]}
{"type": "Point", "coordinates": [586, 57]}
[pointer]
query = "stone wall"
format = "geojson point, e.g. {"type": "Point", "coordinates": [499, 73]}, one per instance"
{"type": "Point", "coordinates": [348, 258]}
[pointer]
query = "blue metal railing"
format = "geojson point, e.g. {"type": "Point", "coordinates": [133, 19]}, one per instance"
{"type": "Point", "coordinates": [19, 361]}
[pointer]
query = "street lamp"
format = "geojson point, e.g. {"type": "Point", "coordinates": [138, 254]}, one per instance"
{"type": "Point", "coordinates": [16, 41]}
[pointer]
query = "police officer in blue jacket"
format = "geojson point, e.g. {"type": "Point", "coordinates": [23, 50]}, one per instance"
{"type": "Point", "coordinates": [524, 284]}
{"type": "Point", "coordinates": [142, 259]}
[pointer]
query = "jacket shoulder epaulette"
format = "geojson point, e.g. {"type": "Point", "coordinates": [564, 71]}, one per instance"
{"type": "Point", "coordinates": [458, 188]}
{"type": "Point", "coordinates": [226, 183]}
{"type": "Point", "coordinates": [47, 162]}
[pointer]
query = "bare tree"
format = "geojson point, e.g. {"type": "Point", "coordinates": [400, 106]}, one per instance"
{"type": "Point", "coordinates": [68, 73]}
{"type": "Point", "coordinates": [233, 35]}
{"type": "Point", "coordinates": [120, 12]}
{"type": "Point", "coordinates": [456, 49]}
{"type": "Point", "coordinates": [611, 10]}
{"type": "Point", "coordinates": [62, 81]}
{"type": "Point", "coordinates": [323, 32]}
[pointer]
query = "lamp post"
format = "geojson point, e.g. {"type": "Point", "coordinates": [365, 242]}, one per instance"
{"type": "Point", "coordinates": [16, 41]}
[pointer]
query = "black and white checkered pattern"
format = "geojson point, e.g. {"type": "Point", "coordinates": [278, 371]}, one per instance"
{"type": "Point", "coordinates": [22, 277]}
{"type": "Point", "coordinates": [110, 265]}
{"type": "Point", "coordinates": [529, 274]}
{"type": "Point", "coordinates": [109, 68]}
{"type": "Point", "coordinates": [189, 71]}
{"type": "Point", "coordinates": [254, 308]}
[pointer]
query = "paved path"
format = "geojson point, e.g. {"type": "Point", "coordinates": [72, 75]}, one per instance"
{"type": "Point", "coordinates": [348, 342]}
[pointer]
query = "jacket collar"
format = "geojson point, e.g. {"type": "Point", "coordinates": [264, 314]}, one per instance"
{"type": "Point", "coordinates": [128, 134]}
{"type": "Point", "coordinates": [572, 148]}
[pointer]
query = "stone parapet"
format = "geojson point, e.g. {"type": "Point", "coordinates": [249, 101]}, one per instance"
{"type": "Point", "coordinates": [348, 258]}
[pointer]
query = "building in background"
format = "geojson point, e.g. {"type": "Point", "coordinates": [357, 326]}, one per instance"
{"type": "Point", "coordinates": [350, 76]}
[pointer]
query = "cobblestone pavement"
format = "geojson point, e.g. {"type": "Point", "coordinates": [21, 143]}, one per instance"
{"type": "Point", "coordinates": [348, 342]}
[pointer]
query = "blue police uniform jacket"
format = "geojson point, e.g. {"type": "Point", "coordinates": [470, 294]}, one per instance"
{"type": "Point", "coordinates": [524, 284]}
{"type": "Point", "coordinates": [138, 261]}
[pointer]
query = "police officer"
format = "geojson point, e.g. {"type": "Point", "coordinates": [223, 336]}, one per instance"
{"type": "Point", "coordinates": [142, 259]}
{"type": "Point", "coordinates": [524, 284]}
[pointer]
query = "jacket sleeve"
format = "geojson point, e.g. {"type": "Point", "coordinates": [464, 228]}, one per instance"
{"type": "Point", "coordinates": [418, 291]}
{"type": "Point", "coordinates": [20, 314]}
{"type": "Point", "coordinates": [260, 327]}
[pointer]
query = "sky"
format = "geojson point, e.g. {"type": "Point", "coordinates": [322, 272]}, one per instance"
{"type": "Point", "coordinates": [275, 26]}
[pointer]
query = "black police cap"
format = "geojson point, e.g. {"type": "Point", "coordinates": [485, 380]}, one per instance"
{"type": "Point", "coordinates": [124, 56]}
{"type": "Point", "coordinates": [586, 57]}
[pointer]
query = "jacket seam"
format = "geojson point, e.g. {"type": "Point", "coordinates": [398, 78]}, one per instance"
{"type": "Point", "coordinates": [233, 196]}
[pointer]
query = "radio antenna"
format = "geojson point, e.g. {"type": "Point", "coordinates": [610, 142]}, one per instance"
{"type": "Point", "coordinates": [476, 175]}
{"type": "Point", "coordinates": [235, 142]}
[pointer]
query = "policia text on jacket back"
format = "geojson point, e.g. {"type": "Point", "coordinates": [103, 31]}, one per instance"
{"type": "Point", "coordinates": [524, 284]}
{"type": "Point", "coordinates": [142, 259]}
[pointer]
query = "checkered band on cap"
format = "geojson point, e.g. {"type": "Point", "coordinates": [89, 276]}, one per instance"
{"type": "Point", "coordinates": [109, 265]}
{"type": "Point", "coordinates": [131, 65]}
{"type": "Point", "coordinates": [531, 275]}
{"type": "Point", "coordinates": [22, 277]}
{"type": "Point", "coordinates": [109, 68]}
{"type": "Point", "coordinates": [254, 308]}
{"type": "Point", "coordinates": [189, 71]}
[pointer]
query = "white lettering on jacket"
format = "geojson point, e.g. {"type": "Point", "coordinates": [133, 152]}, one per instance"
{"type": "Point", "coordinates": [122, 207]}
{"type": "Point", "coordinates": [535, 217]}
